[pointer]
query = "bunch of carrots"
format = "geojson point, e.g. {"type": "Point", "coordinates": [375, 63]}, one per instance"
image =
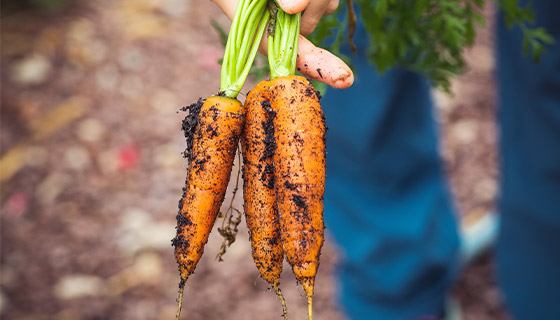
{"type": "Point", "coordinates": [282, 130]}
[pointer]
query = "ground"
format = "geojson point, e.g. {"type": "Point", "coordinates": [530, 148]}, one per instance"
{"type": "Point", "coordinates": [92, 170]}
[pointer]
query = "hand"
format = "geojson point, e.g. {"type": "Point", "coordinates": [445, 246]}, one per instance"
{"type": "Point", "coordinates": [313, 62]}
{"type": "Point", "coordinates": [314, 11]}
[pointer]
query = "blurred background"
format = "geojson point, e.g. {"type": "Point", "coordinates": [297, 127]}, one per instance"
{"type": "Point", "coordinates": [91, 168]}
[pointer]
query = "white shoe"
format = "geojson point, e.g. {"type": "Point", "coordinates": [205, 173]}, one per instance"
{"type": "Point", "coordinates": [478, 234]}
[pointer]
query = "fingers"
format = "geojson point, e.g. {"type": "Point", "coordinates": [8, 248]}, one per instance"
{"type": "Point", "coordinates": [313, 62]}
{"type": "Point", "coordinates": [314, 12]}
{"type": "Point", "coordinates": [293, 6]}
{"type": "Point", "coordinates": [228, 7]}
{"type": "Point", "coordinates": [321, 65]}
{"type": "Point", "coordinates": [331, 8]}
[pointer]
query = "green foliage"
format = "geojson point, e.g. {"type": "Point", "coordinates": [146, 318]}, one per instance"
{"type": "Point", "coordinates": [534, 39]}
{"type": "Point", "coordinates": [283, 37]}
{"type": "Point", "coordinates": [258, 70]}
{"type": "Point", "coordinates": [246, 32]}
{"type": "Point", "coordinates": [427, 36]}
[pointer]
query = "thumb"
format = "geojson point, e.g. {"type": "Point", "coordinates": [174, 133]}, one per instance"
{"type": "Point", "coordinates": [293, 6]}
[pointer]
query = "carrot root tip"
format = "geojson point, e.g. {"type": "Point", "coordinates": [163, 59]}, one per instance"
{"type": "Point", "coordinates": [180, 300]}
{"type": "Point", "coordinates": [282, 300]}
{"type": "Point", "coordinates": [310, 307]}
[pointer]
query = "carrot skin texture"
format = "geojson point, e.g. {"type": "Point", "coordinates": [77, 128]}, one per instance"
{"type": "Point", "coordinates": [299, 163]}
{"type": "Point", "coordinates": [215, 142]}
{"type": "Point", "coordinates": [260, 207]}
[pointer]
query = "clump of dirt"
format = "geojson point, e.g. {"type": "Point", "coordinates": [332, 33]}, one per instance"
{"type": "Point", "coordinates": [289, 185]}
{"type": "Point", "coordinates": [299, 201]}
{"type": "Point", "coordinates": [312, 93]}
{"type": "Point", "coordinates": [190, 123]}
{"type": "Point", "coordinates": [268, 127]}
{"type": "Point", "coordinates": [268, 175]}
{"type": "Point", "coordinates": [270, 145]}
{"type": "Point", "coordinates": [179, 241]}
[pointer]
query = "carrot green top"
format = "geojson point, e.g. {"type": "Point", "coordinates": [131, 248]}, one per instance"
{"type": "Point", "coordinates": [283, 37]}
{"type": "Point", "coordinates": [247, 28]}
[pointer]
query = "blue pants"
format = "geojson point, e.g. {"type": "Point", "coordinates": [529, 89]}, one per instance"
{"type": "Point", "coordinates": [388, 206]}
{"type": "Point", "coordinates": [529, 117]}
{"type": "Point", "coordinates": [386, 199]}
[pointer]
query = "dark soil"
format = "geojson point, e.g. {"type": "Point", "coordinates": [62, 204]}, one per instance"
{"type": "Point", "coordinates": [189, 124]}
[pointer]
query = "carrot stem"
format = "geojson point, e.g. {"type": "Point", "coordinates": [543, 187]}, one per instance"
{"type": "Point", "coordinates": [230, 45]}
{"type": "Point", "coordinates": [283, 44]}
{"type": "Point", "coordinates": [247, 28]}
{"type": "Point", "coordinates": [238, 84]}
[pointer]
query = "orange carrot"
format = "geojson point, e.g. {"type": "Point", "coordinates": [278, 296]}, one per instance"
{"type": "Point", "coordinates": [260, 208]}
{"type": "Point", "coordinates": [213, 130]}
{"type": "Point", "coordinates": [213, 150]}
{"type": "Point", "coordinates": [299, 158]}
{"type": "Point", "coordinates": [213, 135]}
{"type": "Point", "coordinates": [299, 172]}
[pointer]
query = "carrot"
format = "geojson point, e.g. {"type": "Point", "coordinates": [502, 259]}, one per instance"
{"type": "Point", "coordinates": [261, 212]}
{"type": "Point", "coordinates": [299, 158]}
{"type": "Point", "coordinates": [215, 142]}
{"type": "Point", "coordinates": [299, 163]}
{"type": "Point", "coordinates": [214, 134]}
{"type": "Point", "coordinates": [213, 129]}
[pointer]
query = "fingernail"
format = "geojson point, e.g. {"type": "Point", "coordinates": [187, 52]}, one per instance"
{"type": "Point", "coordinates": [292, 6]}
{"type": "Point", "coordinates": [344, 81]}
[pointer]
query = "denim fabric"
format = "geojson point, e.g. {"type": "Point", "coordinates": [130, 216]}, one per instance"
{"type": "Point", "coordinates": [529, 117]}
{"type": "Point", "coordinates": [386, 199]}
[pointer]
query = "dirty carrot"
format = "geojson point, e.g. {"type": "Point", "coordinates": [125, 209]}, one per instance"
{"type": "Point", "coordinates": [299, 157]}
{"type": "Point", "coordinates": [299, 164]}
{"type": "Point", "coordinates": [215, 140]}
{"type": "Point", "coordinates": [259, 196]}
{"type": "Point", "coordinates": [212, 129]}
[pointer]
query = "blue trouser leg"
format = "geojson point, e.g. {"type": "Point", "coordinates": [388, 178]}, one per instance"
{"type": "Point", "coordinates": [529, 116]}
{"type": "Point", "coordinates": [386, 201]}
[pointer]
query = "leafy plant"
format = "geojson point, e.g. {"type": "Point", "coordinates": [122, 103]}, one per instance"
{"type": "Point", "coordinates": [534, 39]}
{"type": "Point", "coordinates": [426, 36]}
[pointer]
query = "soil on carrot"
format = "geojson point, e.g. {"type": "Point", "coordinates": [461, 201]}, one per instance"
{"type": "Point", "coordinates": [289, 185]}
{"type": "Point", "coordinates": [92, 139]}
{"type": "Point", "coordinates": [268, 175]}
{"type": "Point", "coordinates": [270, 145]}
{"type": "Point", "coordinates": [190, 123]}
{"type": "Point", "coordinates": [311, 92]}
{"type": "Point", "coordinates": [182, 221]}
{"type": "Point", "coordinates": [299, 201]}
{"type": "Point", "coordinates": [268, 126]}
